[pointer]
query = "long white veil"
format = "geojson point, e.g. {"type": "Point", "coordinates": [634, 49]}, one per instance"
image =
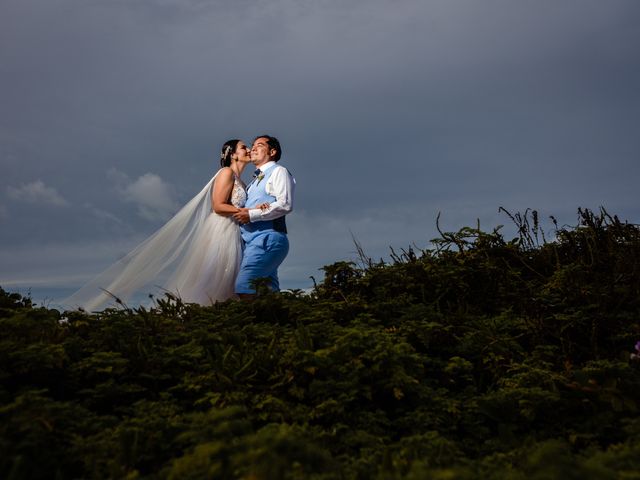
{"type": "Point", "coordinates": [162, 255]}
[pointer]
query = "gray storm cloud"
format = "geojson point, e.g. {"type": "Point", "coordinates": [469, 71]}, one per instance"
{"type": "Point", "coordinates": [388, 111]}
{"type": "Point", "coordinates": [152, 196]}
{"type": "Point", "coordinates": [37, 193]}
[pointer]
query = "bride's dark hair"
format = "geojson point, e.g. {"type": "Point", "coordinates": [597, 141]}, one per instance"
{"type": "Point", "coordinates": [228, 149]}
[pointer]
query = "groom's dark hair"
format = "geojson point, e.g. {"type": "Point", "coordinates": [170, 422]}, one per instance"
{"type": "Point", "coordinates": [273, 143]}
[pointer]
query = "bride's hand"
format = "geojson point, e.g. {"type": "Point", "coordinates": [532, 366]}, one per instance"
{"type": "Point", "coordinates": [263, 206]}
{"type": "Point", "coordinates": [242, 216]}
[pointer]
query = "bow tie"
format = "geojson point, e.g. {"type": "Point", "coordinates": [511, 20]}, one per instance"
{"type": "Point", "coordinates": [257, 172]}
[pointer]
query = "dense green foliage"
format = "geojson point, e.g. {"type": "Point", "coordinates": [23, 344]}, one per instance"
{"type": "Point", "coordinates": [478, 358]}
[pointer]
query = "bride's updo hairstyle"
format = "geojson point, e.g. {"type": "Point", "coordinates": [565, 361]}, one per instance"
{"type": "Point", "coordinates": [228, 149]}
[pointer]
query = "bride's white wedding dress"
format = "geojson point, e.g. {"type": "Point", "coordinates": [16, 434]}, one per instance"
{"type": "Point", "coordinates": [195, 255]}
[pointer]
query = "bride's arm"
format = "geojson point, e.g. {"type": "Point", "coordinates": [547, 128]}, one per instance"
{"type": "Point", "coordinates": [222, 187]}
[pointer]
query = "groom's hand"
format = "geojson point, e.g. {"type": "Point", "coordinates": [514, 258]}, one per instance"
{"type": "Point", "coordinates": [242, 216]}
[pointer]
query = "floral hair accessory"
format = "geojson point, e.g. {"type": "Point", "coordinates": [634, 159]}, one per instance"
{"type": "Point", "coordinates": [225, 152]}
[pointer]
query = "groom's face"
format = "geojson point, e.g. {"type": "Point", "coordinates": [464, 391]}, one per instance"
{"type": "Point", "coordinates": [260, 152]}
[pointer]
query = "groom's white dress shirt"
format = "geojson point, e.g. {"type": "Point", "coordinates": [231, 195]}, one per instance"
{"type": "Point", "coordinates": [280, 185]}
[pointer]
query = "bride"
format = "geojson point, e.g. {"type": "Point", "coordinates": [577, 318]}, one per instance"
{"type": "Point", "coordinates": [195, 255]}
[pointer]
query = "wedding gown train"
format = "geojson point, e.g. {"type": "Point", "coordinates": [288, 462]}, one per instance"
{"type": "Point", "coordinates": [196, 255]}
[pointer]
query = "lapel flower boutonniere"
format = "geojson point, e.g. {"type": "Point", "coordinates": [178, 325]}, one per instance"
{"type": "Point", "coordinates": [259, 178]}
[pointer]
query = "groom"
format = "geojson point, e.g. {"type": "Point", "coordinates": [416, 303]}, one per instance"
{"type": "Point", "coordinates": [263, 229]}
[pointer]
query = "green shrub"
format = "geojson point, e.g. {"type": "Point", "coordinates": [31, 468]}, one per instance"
{"type": "Point", "coordinates": [479, 358]}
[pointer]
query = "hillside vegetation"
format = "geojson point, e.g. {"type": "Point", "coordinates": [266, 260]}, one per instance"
{"type": "Point", "coordinates": [480, 357]}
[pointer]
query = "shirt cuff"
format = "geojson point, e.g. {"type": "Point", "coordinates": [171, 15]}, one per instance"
{"type": "Point", "coordinates": [255, 214]}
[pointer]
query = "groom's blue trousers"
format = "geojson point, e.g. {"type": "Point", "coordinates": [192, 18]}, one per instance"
{"type": "Point", "coordinates": [261, 258]}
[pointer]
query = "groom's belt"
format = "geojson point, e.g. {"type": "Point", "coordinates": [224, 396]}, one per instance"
{"type": "Point", "coordinates": [279, 225]}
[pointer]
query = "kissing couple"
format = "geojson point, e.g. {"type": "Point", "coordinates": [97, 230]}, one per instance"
{"type": "Point", "coordinates": [217, 246]}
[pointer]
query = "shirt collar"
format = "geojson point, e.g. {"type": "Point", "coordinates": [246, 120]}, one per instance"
{"type": "Point", "coordinates": [266, 166]}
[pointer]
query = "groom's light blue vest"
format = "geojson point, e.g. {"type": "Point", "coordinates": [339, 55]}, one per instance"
{"type": "Point", "coordinates": [257, 195]}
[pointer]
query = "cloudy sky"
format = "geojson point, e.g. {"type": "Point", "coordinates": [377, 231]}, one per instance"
{"type": "Point", "coordinates": [112, 113]}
